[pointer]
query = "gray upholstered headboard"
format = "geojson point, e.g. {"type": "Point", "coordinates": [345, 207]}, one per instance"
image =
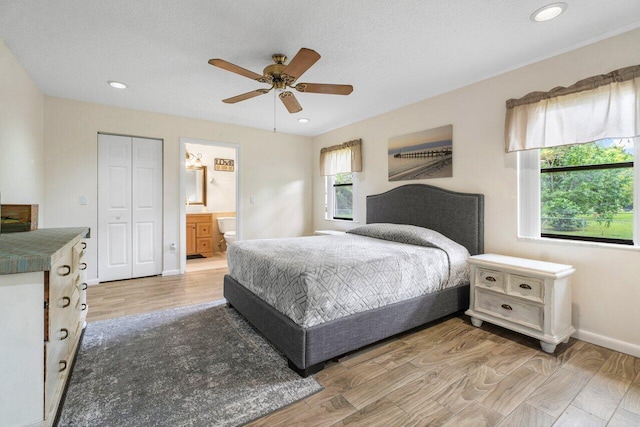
{"type": "Point", "coordinates": [459, 216]}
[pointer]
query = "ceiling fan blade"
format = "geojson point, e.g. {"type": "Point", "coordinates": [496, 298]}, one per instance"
{"type": "Point", "coordinates": [221, 63]}
{"type": "Point", "coordinates": [290, 101]}
{"type": "Point", "coordinates": [244, 96]}
{"type": "Point", "coordinates": [300, 63]}
{"type": "Point", "coordinates": [324, 88]}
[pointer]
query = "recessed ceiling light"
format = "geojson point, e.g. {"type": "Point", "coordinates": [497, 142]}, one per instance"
{"type": "Point", "coordinates": [548, 12]}
{"type": "Point", "coordinates": [303, 120]}
{"type": "Point", "coordinates": [117, 85]}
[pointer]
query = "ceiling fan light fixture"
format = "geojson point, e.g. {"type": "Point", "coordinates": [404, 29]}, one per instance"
{"type": "Point", "coordinates": [548, 12]}
{"type": "Point", "coordinates": [117, 85]}
{"type": "Point", "coordinates": [303, 120]}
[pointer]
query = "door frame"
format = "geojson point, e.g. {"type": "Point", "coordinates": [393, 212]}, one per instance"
{"type": "Point", "coordinates": [183, 209]}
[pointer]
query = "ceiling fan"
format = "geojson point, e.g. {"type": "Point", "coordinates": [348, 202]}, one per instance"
{"type": "Point", "coordinates": [282, 76]}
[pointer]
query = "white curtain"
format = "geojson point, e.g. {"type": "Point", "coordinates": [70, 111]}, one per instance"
{"type": "Point", "coordinates": [341, 158]}
{"type": "Point", "coordinates": [606, 106]}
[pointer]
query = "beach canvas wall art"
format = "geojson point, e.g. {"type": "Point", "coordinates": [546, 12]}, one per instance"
{"type": "Point", "coordinates": [422, 155]}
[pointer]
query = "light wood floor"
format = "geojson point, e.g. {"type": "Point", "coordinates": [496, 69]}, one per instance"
{"type": "Point", "coordinates": [450, 373]}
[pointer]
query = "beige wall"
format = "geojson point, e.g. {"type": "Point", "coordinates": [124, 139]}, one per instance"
{"type": "Point", "coordinates": [274, 169]}
{"type": "Point", "coordinates": [21, 134]}
{"type": "Point", "coordinates": [606, 288]}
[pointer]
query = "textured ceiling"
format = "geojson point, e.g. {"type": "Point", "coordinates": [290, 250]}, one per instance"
{"type": "Point", "coordinates": [394, 53]}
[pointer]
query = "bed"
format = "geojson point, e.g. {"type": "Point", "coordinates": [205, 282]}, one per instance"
{"type": "Point", "coordinates": [309, 338]}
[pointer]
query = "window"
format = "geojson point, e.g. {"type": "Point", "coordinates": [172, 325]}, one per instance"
{"type": "Point", "coordinates": [577, 147]}
{"type": "Point", "coordinates": [580, 192]}
{"type": "Point", "coordinates": [586, 191]}
{"type": "Point", "coordinates": [339, 196]}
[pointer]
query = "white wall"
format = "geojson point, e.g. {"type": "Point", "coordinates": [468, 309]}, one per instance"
{"type": "Point", "coordinates": [606, 289]}
{"type": "Point", "coordinates": [275, 170]}
{"type": "Point", "coordinates": [21, 134]}
{"type": "Point", "coordinates": [221, 185]}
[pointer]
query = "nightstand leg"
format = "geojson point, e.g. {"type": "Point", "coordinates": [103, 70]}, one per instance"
{"type": "Point", "coordinates": [566, 340]}
{"type": "Point", "coordinates": [547, 347]}
{"type": "Point", "coordinates": [476, 322]}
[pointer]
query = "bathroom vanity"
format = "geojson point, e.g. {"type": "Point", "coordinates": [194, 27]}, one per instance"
{"type": "Point", "coordinates": [200, 234]}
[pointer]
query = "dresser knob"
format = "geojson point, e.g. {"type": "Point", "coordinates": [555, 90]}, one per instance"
{"type": "Point", "coordinates": [525, 286]}
{"type": "Point", "coordinates": [66, 270]}
{"type": "Point", "coordinates": [506, 307]}
{"type": "Point", "coordinates": [66, 333]}
{"type": "Point", "coordinates": [67, 302]}
{"type": "Point", "coordinates": [83, 266]}
{"type": "Point", "coordinates": [84, 286]}
{"type": "Point", "coordinates": [84, 307]}
{"type": "Point", "coordinates": [84, 245]}
{"type": "Point", "coordinates": [490, 279]}
{"type": "Point", "coordinates": [63, 366]}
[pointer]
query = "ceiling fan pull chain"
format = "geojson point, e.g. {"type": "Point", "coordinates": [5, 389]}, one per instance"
{"type": "Point", "coordinates": [274, 111]}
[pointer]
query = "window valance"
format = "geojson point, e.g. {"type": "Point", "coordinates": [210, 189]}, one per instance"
{"type": "Point", "coordinates": [604, 106]}
{"type": "Point", "coordinates": [346, 157]}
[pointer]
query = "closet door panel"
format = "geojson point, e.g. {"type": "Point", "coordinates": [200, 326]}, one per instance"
{"type": "Point", "coordinates": [114, 207]}
{"type": "Point", "coordinates": [147, 207]}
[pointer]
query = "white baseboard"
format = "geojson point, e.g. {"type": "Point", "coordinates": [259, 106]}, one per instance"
{"type": "Point", "coordinates": [92, 282]}
{"type": "Point", "coordinates": [171, 272]}
{"type": "Point", "coordinates": [611, 343]}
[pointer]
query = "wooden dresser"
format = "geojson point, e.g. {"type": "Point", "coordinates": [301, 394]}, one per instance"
{"type": "Point", "coordinates": [43, 294]}
{"type": "Point", "coordinates": [200, 234]}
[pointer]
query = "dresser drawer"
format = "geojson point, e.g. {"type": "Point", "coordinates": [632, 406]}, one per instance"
{"type": "Point", "coordinates": [506, 307]}
{"type": "Point", "coordinates": [56, 368]}
{"type": "Point", "coordinates": [490, 279]}
{"type": "Point", "coordinates": [527, 287]}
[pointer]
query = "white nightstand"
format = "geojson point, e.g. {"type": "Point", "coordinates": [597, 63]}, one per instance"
{"type": "Point", "coordinates": [527, 296]}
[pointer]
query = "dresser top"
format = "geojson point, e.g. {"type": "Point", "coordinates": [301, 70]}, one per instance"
{"type": "Point", "coordinates": [543, 267]}
{"type": "Point", "coordinates": [32, 250]}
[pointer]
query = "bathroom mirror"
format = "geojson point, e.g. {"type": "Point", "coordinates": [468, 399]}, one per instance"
{"type": "Point", "coordinates": [195, 184]}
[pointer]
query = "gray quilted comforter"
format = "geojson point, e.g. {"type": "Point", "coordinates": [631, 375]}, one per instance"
{"type": "Point", "coordinates": [321, 278]}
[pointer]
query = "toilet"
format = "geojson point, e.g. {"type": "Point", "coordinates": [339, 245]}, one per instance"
{"type": "Point", "coordinates": [227, 226]}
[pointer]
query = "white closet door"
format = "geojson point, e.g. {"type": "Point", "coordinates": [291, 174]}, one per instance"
{"type": "Point", "coordinates": [114, 207]}
{"type": "Point", "coordinates": [147, 207]}
{"type": "Point", "coordinates": [129, 207]}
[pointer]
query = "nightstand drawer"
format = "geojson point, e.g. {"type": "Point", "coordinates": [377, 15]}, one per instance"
{"type": "Point", "coordinates": [490, 279]}
{"type": "Point", "coordinates": [530, 315]}
{"type": "Point", "coordinates": [527, 287]}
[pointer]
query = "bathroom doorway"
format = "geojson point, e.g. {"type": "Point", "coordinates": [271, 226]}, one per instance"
{"type": "Point", "coordinates": [210, 208]}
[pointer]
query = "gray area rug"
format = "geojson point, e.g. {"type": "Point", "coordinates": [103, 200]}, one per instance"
{"type": "Point", "coordinates": [201, 365]}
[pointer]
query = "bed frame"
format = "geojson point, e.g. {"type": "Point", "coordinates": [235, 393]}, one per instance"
{"type": "Point", "coordinates": [459, 216]}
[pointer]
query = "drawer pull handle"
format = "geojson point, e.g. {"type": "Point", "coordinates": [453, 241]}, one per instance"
{"type": "Point", "coordinates": [67, 272]}
{"type": "Point", "coordinates": [66, 333]}
{"type": "Point", "coordinates": [525, 286]}
{"type": "Point", "coordinates": [67, 302]}
{"type": "Point", "coordinates": [490, 279]}
{"type": "Point", "coordinates": [63, 366]}
{"type": "Point", "coordinates": [506, 307]}
{"type": "Point", "coordinates": [84, 245]}
{"type": "Point", "coordinates": [83, 266]}
{"type": "Point", "coordinates": [84, 307]}
{"type": "Point", "coordinates": [84, 286]}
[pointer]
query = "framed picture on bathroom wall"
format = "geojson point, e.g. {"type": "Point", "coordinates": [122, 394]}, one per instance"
{"type": "Point", "coordinates": [225, 165]}
{"type": "Point", "coordinates": [421, 155]}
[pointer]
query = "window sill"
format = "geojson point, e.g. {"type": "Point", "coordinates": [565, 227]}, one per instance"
{"type": "Point", "coordinates": [566, 242]}
{"type": "Point", "coordinates": [343, 221]}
